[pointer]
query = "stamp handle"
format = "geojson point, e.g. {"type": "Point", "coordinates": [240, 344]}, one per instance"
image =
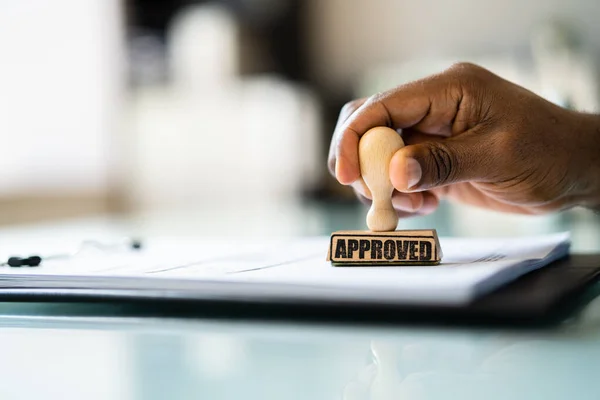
{"type": "Point", "coordinates": [375, 150]}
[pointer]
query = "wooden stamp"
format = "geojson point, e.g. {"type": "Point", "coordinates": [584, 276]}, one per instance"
{"type": "Point", "coordinates": [361, 248]}
{"type": "Point", "coordinates": [382, 244]}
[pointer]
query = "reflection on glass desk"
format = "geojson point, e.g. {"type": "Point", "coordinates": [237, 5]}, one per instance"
{"type": "Point", "coordinates": [100, 351]}
{"type": "Point", "coordinates": [98, 357]}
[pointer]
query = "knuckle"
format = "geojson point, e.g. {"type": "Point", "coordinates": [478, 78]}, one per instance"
{"type": "Point", "coordinates": [465, 68]}
{"type": "Point", "coordinates": [376, 98]}
{"type": "Point", "coordinates": [377, 103]}
{"type": "Point", "coordinates": [373, 100]}
{"type": "Point", "coordinates": [472, 78]}
{"type": "Point", "coordinates": [379, 97]}
{"type": "Point", "coordinates": [443, 163]}
{"type": "Point", "coordinates": [351, 106]}
{"type": "Point", "coordinates": [478, 89]}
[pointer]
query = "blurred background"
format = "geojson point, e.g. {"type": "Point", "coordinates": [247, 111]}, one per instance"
{"type": "Point", "coordinates": [221, 112]}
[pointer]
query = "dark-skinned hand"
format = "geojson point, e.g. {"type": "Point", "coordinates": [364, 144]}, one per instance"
{"type": "Point", "coordinates": [476, 138]}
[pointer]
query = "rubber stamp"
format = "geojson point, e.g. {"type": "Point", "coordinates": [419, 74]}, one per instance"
{"type": "Point", "coordinates": [382, 244]}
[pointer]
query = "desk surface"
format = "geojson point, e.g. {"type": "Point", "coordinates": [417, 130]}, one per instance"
{"type": "Point", "coordinates": [76, 351]}
{"type": "Point", "coordinates": [82, 352]}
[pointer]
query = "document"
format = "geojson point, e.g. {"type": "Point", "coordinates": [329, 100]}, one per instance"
{"type": "Point", "coordinates": [287, 270]}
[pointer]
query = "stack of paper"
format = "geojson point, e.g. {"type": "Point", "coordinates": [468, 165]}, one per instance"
{"type": "Point", "coordinates": [286, 270]}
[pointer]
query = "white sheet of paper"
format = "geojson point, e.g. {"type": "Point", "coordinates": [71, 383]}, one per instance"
{"type": "Point", "coordinates": [296, 268]}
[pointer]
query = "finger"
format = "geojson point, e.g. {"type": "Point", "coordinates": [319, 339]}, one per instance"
{"type": "Point", "coordinates": [430, 203]}
{"type": "Point", "coordinates": [434, 164]}
{"type": "Point", "coordinates": [431, 105]}
{"type": "Point", "coordinates": [361, 188]}
{"type": "Point", "coordinates": [420, 203]}
{"type": "Point", "coordinates": [348, 109]}
{"type": "Point", "coordinates": [405, 209]}
{"type": "Point", "coordinates": [410, 202]}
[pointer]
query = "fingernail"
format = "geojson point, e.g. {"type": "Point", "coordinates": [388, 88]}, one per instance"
{"type": "Point", "coordinates": [413, 172]}
{"type": "Point", "coordinates": [337, 170]}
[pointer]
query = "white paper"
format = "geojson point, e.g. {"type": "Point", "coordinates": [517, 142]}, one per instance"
{"type": "Point", "coordinates": [296, 268]}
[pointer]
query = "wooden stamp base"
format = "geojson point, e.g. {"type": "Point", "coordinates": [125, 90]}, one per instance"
{"type": "Point", "coordinates": [366, 248]}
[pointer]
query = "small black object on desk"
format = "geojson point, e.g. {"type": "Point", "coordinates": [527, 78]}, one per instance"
{"type": "Point", "coordinates": [35, 260]}
{"type": "Point", "coordinates": [32, 261]}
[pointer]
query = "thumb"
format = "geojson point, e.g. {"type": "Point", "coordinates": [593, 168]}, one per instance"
{"type": "Point", "coordinates": [437, 163]}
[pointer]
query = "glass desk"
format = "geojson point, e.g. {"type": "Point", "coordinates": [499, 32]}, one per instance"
{"type": "Point", "coordinates": [108, 351]}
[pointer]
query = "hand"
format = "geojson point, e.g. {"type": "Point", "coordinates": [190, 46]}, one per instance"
{"type": "Point", "coordinates": [476, 138]}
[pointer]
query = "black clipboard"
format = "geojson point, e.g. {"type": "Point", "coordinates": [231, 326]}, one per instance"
{"type": "Point", "coordinates": [544, 296]}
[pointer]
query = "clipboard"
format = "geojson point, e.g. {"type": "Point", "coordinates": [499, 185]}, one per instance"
{"type": "Point", "coordinates": [541, 297]}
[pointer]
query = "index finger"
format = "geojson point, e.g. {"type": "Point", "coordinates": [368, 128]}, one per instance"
{"type": "Point", "coordinates": [348, 109]}
{"type": "Point", "coordinates": [422, 103]}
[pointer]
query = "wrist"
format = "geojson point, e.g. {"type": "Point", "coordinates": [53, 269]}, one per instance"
{"type": "Point", "coordinates": [586, 133]}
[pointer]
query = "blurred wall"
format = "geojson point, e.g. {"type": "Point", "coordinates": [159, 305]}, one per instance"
{"type": "Point", "coordinates": [211, 137]}
{"type": "Point", "coordinates": [206, 113]}
{"type": "Point", "coordinates": [60, 90]}
{"type": "Point", "coordinates": [347, 37]}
